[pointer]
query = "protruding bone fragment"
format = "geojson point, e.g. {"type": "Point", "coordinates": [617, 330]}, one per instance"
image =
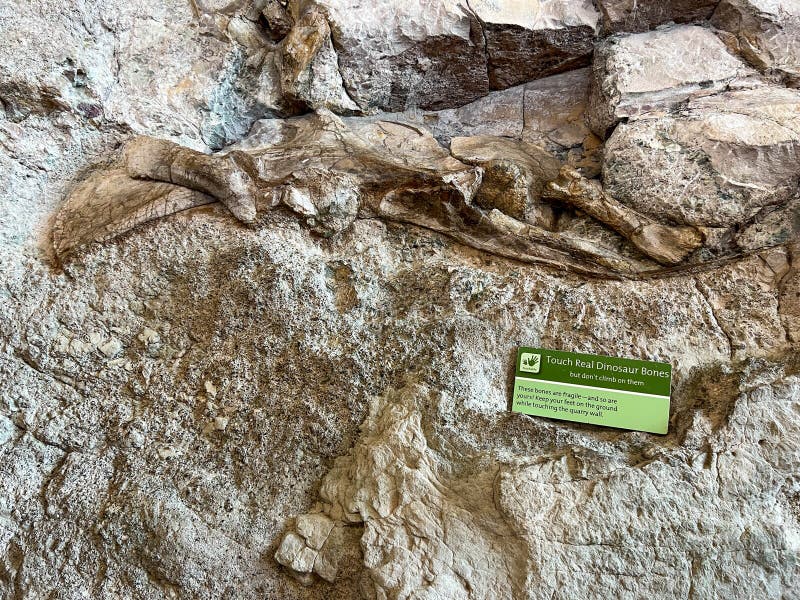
{"type": "Point", "coordinates": [309, 67]}
{"type": "Point", "coordinates": [665, 244]}
{"type": "Point", "coordinates": [279, 20]}
{"type": "Point", "coordinates": [515, 174]}
{"type": "Point", "coordinates": [223, 177]}
{"type": "Point", "coordinates": [301, 46]}
{"type": "Point", "coordinates": [109, 203]}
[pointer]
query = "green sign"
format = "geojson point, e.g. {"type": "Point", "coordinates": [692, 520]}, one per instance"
{"type": "Point", "coordinates": [602, 390]}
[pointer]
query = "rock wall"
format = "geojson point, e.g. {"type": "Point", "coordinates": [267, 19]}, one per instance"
{"type": "Point", "coordinates": [243, 246]}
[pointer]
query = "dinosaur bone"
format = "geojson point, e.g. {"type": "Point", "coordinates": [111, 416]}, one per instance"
{"type": "Point", "coordinates": [226, 179]}
{"type": "Point", "coordinates": [665, 244]}
{"type": "Point", "coordinates": [109, 203]}
{"type": "Point", "coordinates": [330, 171]}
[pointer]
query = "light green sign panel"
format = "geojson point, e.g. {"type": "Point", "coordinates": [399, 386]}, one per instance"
{"type": "Point", "coordinates": [602, 390]}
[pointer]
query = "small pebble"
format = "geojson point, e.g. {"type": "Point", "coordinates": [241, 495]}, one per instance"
{"type": "Point", "coordinates": [111, 348]}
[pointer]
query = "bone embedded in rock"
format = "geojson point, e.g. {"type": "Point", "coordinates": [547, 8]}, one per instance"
{"type": "Point", "coordinates": [766, 33]}
{"type": "Point", "coordinates": [511, 238]}
{"type": "Point", "coordinates": [330, 171]}
{"type": "Point", "coordinates": [401, 499]}
{"type": "Point", "coordinates": [309, 68]}
{"type": "Point", "coordinates": [110, 203]}
{"type": "Point", "coordinates": [328, 201]}
{"type": "Point", "coordinates": [302, 44]}
{"type": "Point", "coordinates": [515, 174]}
{"type": "Point", "coordinates": [391, 171]}
{"type": "Point", "coordinates": [221, 177]}
{"type": "Point", "coordinates": [665, 244]}
{"type": "Point", "coordinates": [554, 110]}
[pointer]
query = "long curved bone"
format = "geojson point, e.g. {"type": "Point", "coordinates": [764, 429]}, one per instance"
{"type": "Point", "coordinates": [499, 234]}
{"type": "Point", "coordinates": [667, 245]}
{"type": "Point", "coordinates": [109, 203]}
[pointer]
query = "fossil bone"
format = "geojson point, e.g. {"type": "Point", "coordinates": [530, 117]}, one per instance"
{"type": "Point", "coordinates": [515, 173]}
{"type": "Point", "coordinates": [330, 170]}
{"type": "Point", "coordinates": [665, 244]}
{"type": "Point", "coordinates": [301, 45]}
{"type": "Point", "coordinates": [279, 20]}
{"type": "Point", "coordinates": [110, 203]}
{"type": "Point", "coordinates": [308, 66]}
{"type": "Point", "coordinates": [227, 179]}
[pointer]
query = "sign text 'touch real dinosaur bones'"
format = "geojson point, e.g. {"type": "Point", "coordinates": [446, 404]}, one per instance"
{"type": "Point", "coordinates": [601, 390]}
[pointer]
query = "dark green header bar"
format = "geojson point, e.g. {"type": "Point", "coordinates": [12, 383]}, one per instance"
{"type": "Point", "coordinates": [628, 374]}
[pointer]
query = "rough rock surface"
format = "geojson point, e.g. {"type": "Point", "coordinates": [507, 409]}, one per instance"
{"type": "Point", "coordinates": [766, 33]}
{"type": "Point", "coordinates": [499, 113]}
{"type": "Point", "coordinates": [529, 41]}
{"type": "Point", "coordinates": [645, 72]}
{"type": "Point", "coordinates": [434, 55]}
{"type": "Point", "coordinates": [635, 15]}
{"type": "Point", "coordinates": [716, 163]}
{"type": "Point", "coordinates": [201, 408]}
{"type": "Point", "coordinates": [548, 112]}
{"type": "Point", "coordinates": [416, 53]}
{"type": "Point", "coordinates": [554, 114]}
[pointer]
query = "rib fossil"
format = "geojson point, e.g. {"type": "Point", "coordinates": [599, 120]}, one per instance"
{"type": "Point", "coordinates": [330, 171]}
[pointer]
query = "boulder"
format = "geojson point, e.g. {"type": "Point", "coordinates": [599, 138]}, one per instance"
{"type": "Point", "coordinates": [528, 41]}
{"type": "Point", "coordinates": [394, 55]}
{"type": "Point", "coordinates": [766, 33]}
{"type": "Point", "coordinates": [434, 55]}
{"type": "Point", "coordinates": [656, 71]}
{"type": "Point", "coordinates": [715, 164]}
{"type": "Point", "coordinates": [554, 116]}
